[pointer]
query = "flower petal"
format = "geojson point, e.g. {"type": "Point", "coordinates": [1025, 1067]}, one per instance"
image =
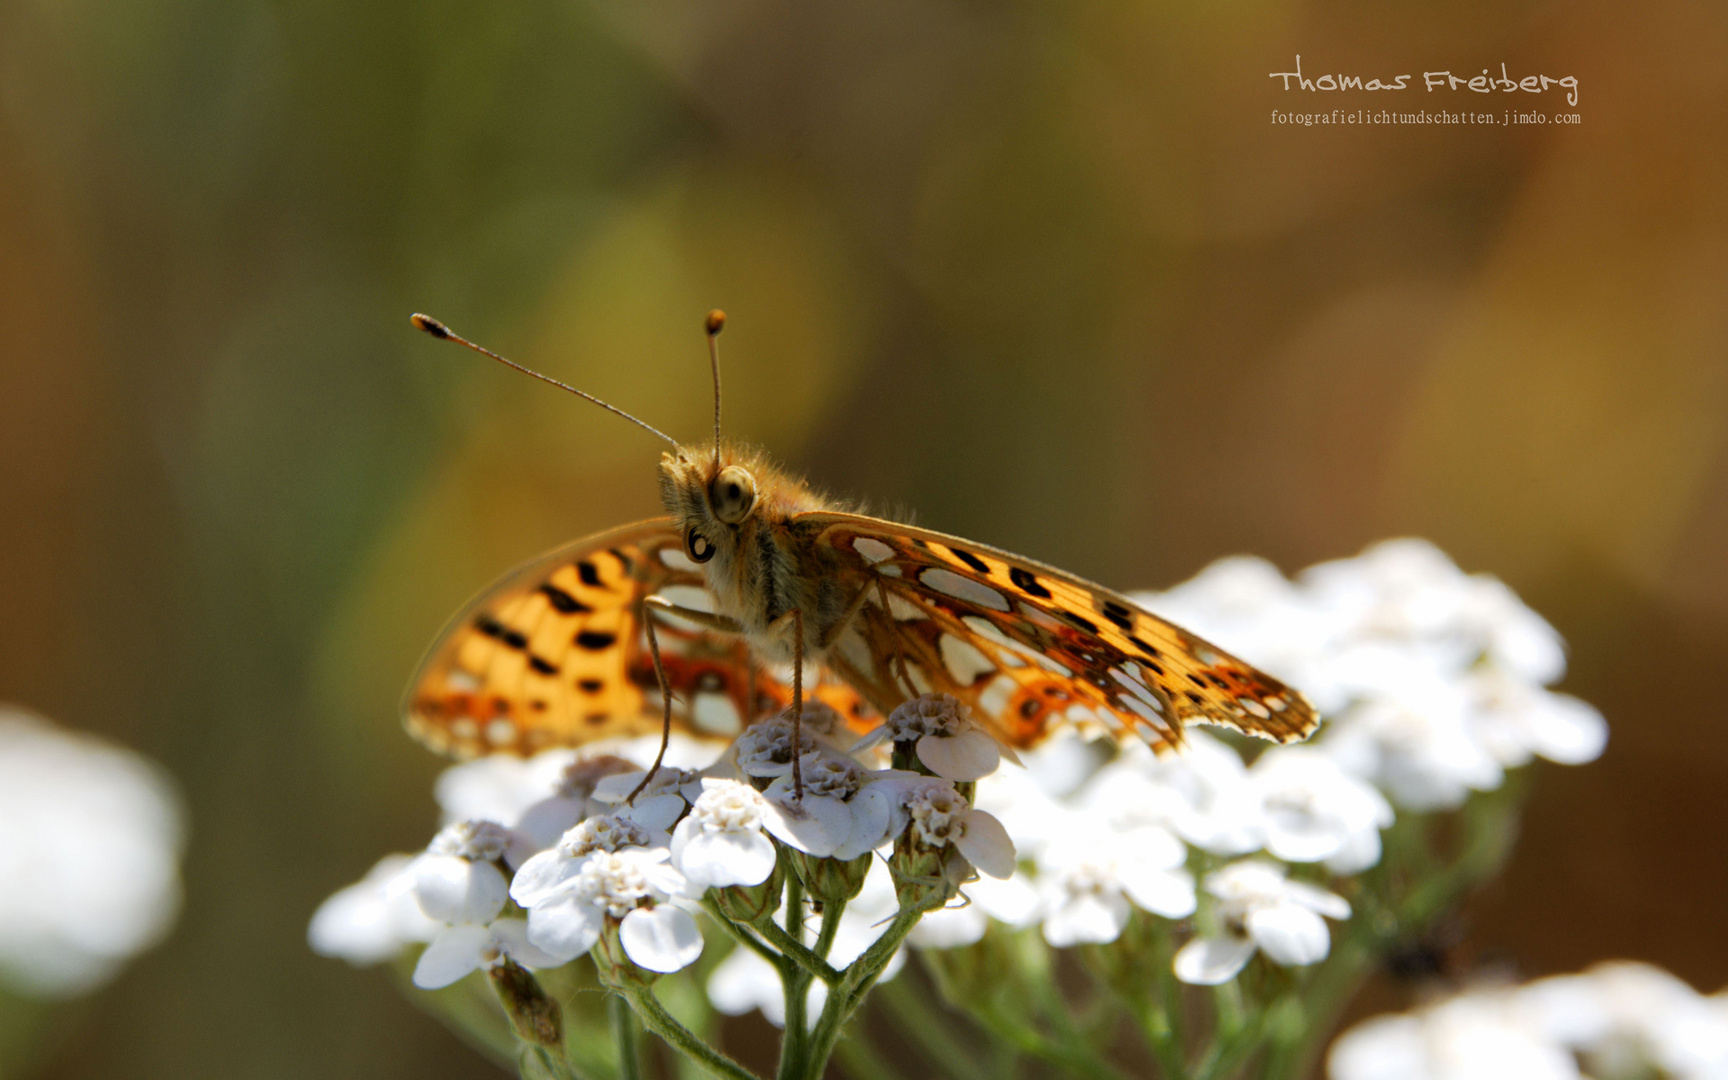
{"type": "Point", "coordinates": [564, 926]}
{"type": "Point", "coordinates": [730, 857]}
{"type": "Point", "coordinates": [970, 755]}
{"type": "Point", "coordinates": [451, 955]}
{"type": "Point", "coordinates": [543, 875]}
{"type": "Point", "coordinates": [1169, 893]}
{"type": "Point", "coordinates": [661, 938]}
{"type": "Point", "coordinates": [1211, 961]}
{"type": "Point", "coordinates": [1086, 918]}
{"type": "Point", "coordinates": [1290, 934]}
{"type": "Point", "coordinates": [986, 844]}
{"type": "Point", "coordinates": [454, 890]}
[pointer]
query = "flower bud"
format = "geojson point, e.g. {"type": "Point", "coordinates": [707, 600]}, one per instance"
{"type": "Point", "coordinates": [614, 965]}
{"type": "Point", "coordinates": [534, 1016]}
{"type": "Point", "coordinates": [831, 881]}
{"type": "Point", "coordinates": [751, 903]}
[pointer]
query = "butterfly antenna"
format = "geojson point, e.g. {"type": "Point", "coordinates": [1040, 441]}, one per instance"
{"type": "Point", "coordinates": [444, 333]}
{"type": "Point", "coordinates": [715, 323]}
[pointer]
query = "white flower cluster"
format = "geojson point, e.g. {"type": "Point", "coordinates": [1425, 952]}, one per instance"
{"type": "Point", "coordinates": [542, 859]}
{"type": "Point", "coordinates": [90, 870]}
{"type": "Point", "coordinates": [1618, 1020]}
{"type": "Point", "coordinates": [1433, 683]}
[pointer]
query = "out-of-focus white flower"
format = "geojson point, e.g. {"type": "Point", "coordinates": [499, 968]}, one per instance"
{"type": "Point", "coordinates": [668, 795]}
{"type": "Point", "coordinates": [720, 842]}
{"type": "Point", "coordinates": [460, 886]}
{"type": "Point", "coordinates": [1088, 881]}
{"type": "Point", "coordinates": [570, 800]}
{"type": "Point", "coordinates": [1415, 743]}
{"type": "Point", "coordinates": [1314, 811]}
{"type": "Point", "coordinates": [1474, 1037]}
{"type": "Point", "coordinates": [632, 885]}
{"type": "Point", "coordinates": [1260, 908]}
{"type": "Point", "coordinates": [471, 946]}
{"type": "Point", "coordinates": [1620, 1019]}
{"type": "Point", "coordinates": [1203, 793]}
{"type": "Point", "coordinates": [745, 982]}
{"type": "Point", "coordinates": [948, 740]}
{"type": "Point", "coordinates": [1631, 1019]}
{"type": "Point", "coordinates": [89, 872]}
{"type": "Point", "coordinates": [1514, 721]}
{"type": "Point", "coordinates": [1012, 901]}
{"type": "Point", "coordinates": [371, 920]}
{"type": "Point", "coordinates": [499, 787]}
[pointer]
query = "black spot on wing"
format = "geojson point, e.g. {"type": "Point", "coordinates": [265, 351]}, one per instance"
{"type": "Point", "coordinates": [1144, 646]}
{"type": "Point", "coordinates": [542, 665]}
{"type": "Point", "coordinates": [595, 640]}
{"type": "Point", "coordinates": [563, 602]}
{"type": "Point", "coordinates": [1028, 583]}
{"type": "Point", "coordinates": [591, 686]}
{"type": "Point", "coordinates": [589, 573]}
{"type": "Point", "coordinates": [1078, 622]}
{"type": "Point", "coordinates": [1121, 616]}
{"type": "Point", "coordinates": [971, 560]}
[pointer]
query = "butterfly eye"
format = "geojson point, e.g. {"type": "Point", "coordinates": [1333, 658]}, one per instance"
{"type": "Point", "coordinates": [700, 547]}
{"type": "Point", "coordinates": [732, 494]}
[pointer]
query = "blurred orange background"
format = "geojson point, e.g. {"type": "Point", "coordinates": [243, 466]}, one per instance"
{"type": "Point", "coordinates": [1046, 273]}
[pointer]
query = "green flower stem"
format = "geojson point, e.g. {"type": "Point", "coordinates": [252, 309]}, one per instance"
{"type": "Point", "coordinates": [662, 1023]}
{"type": "Point", "coordinates": [800, 954]}
{"type": "Point", "coordinates": [915, 1016]}
{"type": "Point", "coordinates": [830, 926]}
{"type": "Point", "coordinates": [846, 996]}
{"type": "Point", "coordinates": [624, 1037]}
{"type": "Point", "coordinates": [795, 979]}
{"type": "Point", "coordinates": [743, 935]}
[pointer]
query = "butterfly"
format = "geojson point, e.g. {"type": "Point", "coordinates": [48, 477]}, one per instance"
{"type": "Point", "coordinates": [699, 620]}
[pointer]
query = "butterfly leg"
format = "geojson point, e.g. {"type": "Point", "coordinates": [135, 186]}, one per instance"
{"type": "Point", "coordinates": [797, 702]}
{"type": "Point", "coordinates": [665, 698]}
{"type": "Point", "coordinates": [705, 619]}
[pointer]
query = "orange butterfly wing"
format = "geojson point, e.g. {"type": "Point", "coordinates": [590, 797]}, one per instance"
{"type": "Point", "coordinates": [553, 654]}
{"type": "Point", "coordinates": [1029, 647]}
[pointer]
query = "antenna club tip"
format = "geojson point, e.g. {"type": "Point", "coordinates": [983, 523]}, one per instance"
{"type": "Point", "coordinates": [715, 322]}
{"type": "Point", "coordinates": [430, 325]}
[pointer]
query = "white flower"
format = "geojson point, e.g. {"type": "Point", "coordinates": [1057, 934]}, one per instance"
{"type": "Point", "coordinates": [1636, 1015]}
{"type": "Point", "coordinates": [1012, 901]}
{"type": "Point", "coordinates": [557, 866]}
{"type": "Point", "coordinates": [659, 805]}
{"type": "Point", "coordinates": [89, 871]}
{"type": "Point", "coordinates": [844, 812]}
{"type": "Point", "coordinates": [1316, 812]}
{"type": "Point", "coordinates": [1089, 880]}
{"type": "Point", "coordinates": [949, 741]}
{"type": "Point", "coordinates": [1515, 721]}
{"type": "Point", "coordinates": [745, 982]}
{"type": "Point", "coordinates": [765, 747]}
{"type": "Point", "coordinates": [939, 815]}
{"type": "Point", "coordinates": [371, 920]}
{"type": "Point", "coordinates": [464, 947]}
{"type": "Point", "coordinates": [721, 842]}
{"type": "Point", "coordinates": [571, 799]}
{"type": "Point", "coordinates": [631, 885]}
{"type": "Point", "coordinates": [1260, 909]}
{"type": "Point", "coordinates": [1472, 1037]}
{"type": "Point", "coordinates": [498, 787]}
{"type": "Point", "coordinates": [1204, 794]}
{"type": "Point", "coordinates": [458, 883]}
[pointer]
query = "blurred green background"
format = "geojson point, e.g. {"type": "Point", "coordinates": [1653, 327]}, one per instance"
{"type": "Point", "coordinates": [1044, 272]}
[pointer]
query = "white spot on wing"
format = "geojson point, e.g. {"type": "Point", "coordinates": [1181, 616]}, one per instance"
{"type": "Point", "coordinates": [694, 597]}
{"type": "Point", "coordinates": [1138, 706]}
{"type": "Point", "coordinates": [716, 713]}
{"type": "Point", "coordinates": [996, 695]}
{"type": "Point", "coordinates": [920, 681]}
{"type": "Point", "coordinates": [949, 583]}
{"type": "Point", "coordinates": [463, 682]}
{"type": "Point", "coordinates": [464, 728]}
{"type": "Point", "coordinates": [963, 660]}
{"type": "Point", "coordinates": [675, 559]}
{"type": "Point", "coordinates": [500, 731]}
{"type": "Point", "coordinates": [873, 550]}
